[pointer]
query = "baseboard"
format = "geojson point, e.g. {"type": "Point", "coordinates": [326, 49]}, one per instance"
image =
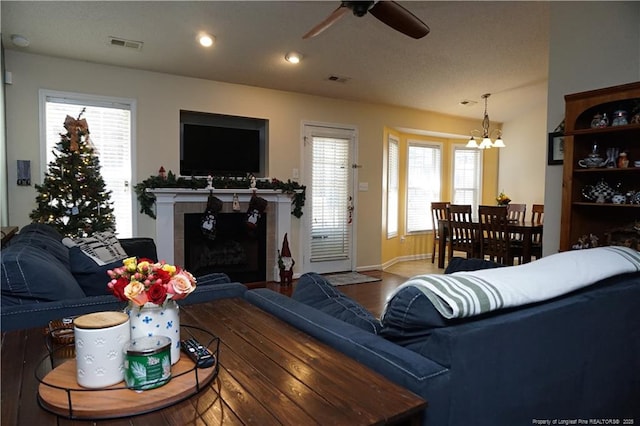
{"type": "Point", "coordinates": [407, 258]}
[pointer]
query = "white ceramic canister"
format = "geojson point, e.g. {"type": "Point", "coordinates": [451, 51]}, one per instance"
{"type": "Point", "coordinates": [99, 339]}
{"type": "Point", "coordinates": [157, 320]}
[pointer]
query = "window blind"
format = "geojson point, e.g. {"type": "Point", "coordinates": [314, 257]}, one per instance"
{"type": "Point", "coordinates": [423, 185]}
{"type": "Point", "coordinates": [393, 179]}
{"type": "Point", "coordinates": [330, 182]}
{"type": "Point", "coordinates": [466, 176]}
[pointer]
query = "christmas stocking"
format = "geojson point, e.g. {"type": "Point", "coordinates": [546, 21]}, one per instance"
{"type": "Point", "coordinates": [257, 206]}
{"type": "Point", "coordinates": [209, 218]}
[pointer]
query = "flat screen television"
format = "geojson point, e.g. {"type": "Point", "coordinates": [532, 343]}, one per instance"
{"type": "Point", "coordinates": [221, 145]}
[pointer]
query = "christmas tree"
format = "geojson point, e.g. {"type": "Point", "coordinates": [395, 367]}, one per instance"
{"type": "Point", "coordinates": [73, 198]}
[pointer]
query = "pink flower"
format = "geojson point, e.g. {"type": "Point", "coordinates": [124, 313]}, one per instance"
{"type": "Point", "coordinates": [181, 284]}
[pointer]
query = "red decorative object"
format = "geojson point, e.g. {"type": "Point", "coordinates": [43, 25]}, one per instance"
{"type": "Point", "coordinates": [162, 173]}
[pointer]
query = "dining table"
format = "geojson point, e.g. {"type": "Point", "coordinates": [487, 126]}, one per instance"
{"type": "Point", "coordinates": [527, 229]}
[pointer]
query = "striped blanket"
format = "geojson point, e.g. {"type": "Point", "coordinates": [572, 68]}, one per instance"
{"type": "Point", "coordinates": [465, 294]}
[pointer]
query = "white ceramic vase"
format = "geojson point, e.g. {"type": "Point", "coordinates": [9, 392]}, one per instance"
{"type": "Point", "coordinates": [157, 320]}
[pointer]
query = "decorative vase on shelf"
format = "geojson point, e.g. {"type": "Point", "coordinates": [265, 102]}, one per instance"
{"type": "Point", "coordinates": [157, 320]}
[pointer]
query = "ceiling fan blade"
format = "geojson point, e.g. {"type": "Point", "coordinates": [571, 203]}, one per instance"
{"type": "Point", "coordinates": [329, 20]}
{"type": "Point", "coordinates": [399, 18]}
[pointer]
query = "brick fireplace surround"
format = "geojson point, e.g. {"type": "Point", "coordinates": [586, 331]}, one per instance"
{"type": "Point", "coordinates": [173, 203]}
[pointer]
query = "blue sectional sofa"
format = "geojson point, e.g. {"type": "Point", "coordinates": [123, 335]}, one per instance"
{"type": "Point", "coordinates": [43, 280]}
{"type": "Point", "coordinates": [572, 357]}
{"type": "Point", "coordinates": [575, 356]}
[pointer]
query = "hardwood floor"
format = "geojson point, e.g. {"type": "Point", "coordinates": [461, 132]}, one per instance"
{"type": "Point", "coordinates": [372, 296]}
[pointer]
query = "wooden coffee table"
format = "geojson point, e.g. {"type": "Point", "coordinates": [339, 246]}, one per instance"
{"type": "Point", "coordinates": [270, 373]}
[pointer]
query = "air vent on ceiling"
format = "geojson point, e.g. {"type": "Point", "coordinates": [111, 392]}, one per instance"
{"type": "Point", "coordinates": [338, 79]}
{"type": "Point", "coordinates": [121, 42]}
{"type": "Point", "coordinates": [467, 102]}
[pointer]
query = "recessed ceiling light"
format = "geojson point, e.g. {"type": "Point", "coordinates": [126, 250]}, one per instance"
{"type": "Point", "coordinates": [19, 40]}
{"type": "Point", "coordinates": [206, 40]}
{"type": "Point", "coordinates": [293, 57]}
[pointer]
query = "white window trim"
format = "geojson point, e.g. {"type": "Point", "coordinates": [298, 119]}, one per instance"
{"type": "Point", "coordinates": [331, 129]}
{"type": "Point", "coordinates": [462, 146]}
{"type": "Point", "coordinates": [393, 139]}
{"type": "Point", "coordinates": [44, 94]}
{"type": "Point", "coordinates": [426, 143]}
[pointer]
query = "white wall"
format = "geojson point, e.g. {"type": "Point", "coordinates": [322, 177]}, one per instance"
{"type": "Point", "coordinates": [522, 162]}
{"type": "Point", "coordinates": [593, 45]}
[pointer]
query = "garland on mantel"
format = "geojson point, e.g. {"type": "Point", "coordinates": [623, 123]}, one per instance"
{"type": "Point", "coordinates": [148, 199]}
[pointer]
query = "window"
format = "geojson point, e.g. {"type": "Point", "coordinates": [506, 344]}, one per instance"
{"type": "Point", "coordinates": [393, 177]}
{"type": "Point", "coordinates": [466, 176]}
{"type": "Point", "coordinates": [423, 184]}
{"type": "Point", "coordinates": [110, 126]}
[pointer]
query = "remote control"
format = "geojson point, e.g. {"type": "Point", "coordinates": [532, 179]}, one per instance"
{"type": "Point", "coordinates": [198, 353]}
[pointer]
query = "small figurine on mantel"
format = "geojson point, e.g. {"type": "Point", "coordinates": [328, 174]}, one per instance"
{"type": "Point", "coordinates": [235, 205]}
{"type": "Point", "coordinates": [210, 182]}
{"type": "Point", "coordinates": [162, 173]}
{"type": "Point", "coordinates": [285, 263]}
{"type": "Point", "coordinates": [252, 180]}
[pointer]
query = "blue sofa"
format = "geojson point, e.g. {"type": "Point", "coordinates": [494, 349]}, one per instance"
{"type": "Point", "coordinates": [572, 357]}
{"type": "Point", "coordinates": [43, 280]}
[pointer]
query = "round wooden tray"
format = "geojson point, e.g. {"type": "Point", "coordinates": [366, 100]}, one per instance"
{"type": "Point", "coordinates": [59, 392]}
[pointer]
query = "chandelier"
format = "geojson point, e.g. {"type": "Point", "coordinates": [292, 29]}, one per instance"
{"type": "Point", "coordinates": [486, 139]}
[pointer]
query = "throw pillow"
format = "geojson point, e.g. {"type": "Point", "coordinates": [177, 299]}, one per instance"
{"type": "Point", "coordinates": [102, 247]}
{"type": "Point", "coordinates": [410, 315]}
{"type": "Point", "coordinates": [314, 290]}
{"type": "Point", "coordinates": [92, 278]}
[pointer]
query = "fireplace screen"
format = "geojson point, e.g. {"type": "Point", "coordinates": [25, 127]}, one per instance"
{"type": "Point", "coordinates": [237, 250]}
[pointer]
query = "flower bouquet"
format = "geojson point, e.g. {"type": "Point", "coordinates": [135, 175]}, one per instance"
{"type": "Point", "coordinates": [151, 290]}
{"type": "Point", "coordinates": [503, 199]}
{"type": "Point", "coordinates": [142, 281]}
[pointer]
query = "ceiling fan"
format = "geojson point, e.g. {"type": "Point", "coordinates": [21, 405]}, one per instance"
{"type": "Point", "coordinates": [388, 12]}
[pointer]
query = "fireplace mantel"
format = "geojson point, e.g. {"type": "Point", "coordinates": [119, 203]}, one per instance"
{"type": "Point", "coordinates": [168, 198]}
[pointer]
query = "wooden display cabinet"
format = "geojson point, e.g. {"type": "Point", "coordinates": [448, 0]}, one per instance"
{"type": "Point", "coordinates": [581, 216]}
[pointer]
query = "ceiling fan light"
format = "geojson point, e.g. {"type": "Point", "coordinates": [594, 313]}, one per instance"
{"type": "Point", "coordinates": [472, 143]}
{"type": "Point", "coordinates": [293, 57]}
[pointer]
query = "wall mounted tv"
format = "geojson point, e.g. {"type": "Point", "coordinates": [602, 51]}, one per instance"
{"type": "Point", "coordinates": [222, 145]}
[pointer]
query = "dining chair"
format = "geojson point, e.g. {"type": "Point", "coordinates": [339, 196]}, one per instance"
{"type": "Point", "coordinates": [516, 213]}
{"type": "Point", "coordinates": [438, 213]}
{"type": "Point", "coordinates": [537, 214]}
{"type": "Point", "coordinates": [537, 218]}
{"type": "Point", "coordinates": [495, 238]}
{"type": "Point", "coordinates": [463, 233]}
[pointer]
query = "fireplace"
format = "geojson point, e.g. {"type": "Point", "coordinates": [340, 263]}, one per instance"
{"type": "Point", "coordinates": [173, 204]}
{"type": "Point", "coordinates": [237, 250]}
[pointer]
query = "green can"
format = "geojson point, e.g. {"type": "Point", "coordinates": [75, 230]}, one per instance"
{"type": "Point", "coordinates": [147, 362]}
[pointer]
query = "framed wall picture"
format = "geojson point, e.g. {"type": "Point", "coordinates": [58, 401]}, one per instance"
{"type": "Point", "coordinates": [555, 154]}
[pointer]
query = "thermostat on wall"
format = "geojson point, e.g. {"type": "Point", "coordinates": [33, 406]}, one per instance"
{"type": "Point", "coordinates": [24, 172]}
